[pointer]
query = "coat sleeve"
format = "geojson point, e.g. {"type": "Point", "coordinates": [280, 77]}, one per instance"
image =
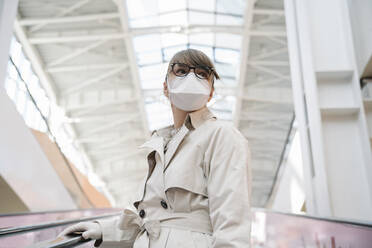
{"type": "Point", "coordinates": [113, 236]}
{"type": "Point", "coordinates": [229, 189]}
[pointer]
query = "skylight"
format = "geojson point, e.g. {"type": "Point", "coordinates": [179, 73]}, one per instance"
{"type": "Point", "coordinates": [208, 25]}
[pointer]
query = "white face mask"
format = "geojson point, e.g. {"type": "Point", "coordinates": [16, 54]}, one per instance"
{"type": "Point", "coordinates": [189, 93]}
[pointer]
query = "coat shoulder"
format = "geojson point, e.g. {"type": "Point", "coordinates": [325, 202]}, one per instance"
{"type": "Point", "coordinates": [162, 129]}
{"type": "Point", "coordinates": [226, 127]}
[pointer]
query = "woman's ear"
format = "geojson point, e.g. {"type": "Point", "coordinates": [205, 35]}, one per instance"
{"type": "Point", "coordinates": [165, 89]}
{"type": "Point", "coordinates": [211, 94]}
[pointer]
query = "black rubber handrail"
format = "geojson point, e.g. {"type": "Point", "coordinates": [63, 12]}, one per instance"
{"type": "Point", "coordinates": [70, 240]}
{"type": "Point", "coordinates": [29, 228]}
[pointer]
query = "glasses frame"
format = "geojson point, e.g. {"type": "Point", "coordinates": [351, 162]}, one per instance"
{"type": "Point", "coordinates": [208, 68]}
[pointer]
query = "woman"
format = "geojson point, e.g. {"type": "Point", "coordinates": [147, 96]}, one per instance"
{"type": "Point", "coordinates": [197, 190]}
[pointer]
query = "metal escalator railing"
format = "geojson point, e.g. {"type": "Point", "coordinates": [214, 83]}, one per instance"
{"type": "Point", "coordinates": [32, 218]}
{"type": "Point", "coordinates": [44, 234]}
{"type": "Point", "coordinates": [269, 229]}
{"type": "Point", "coordinates": [63, 242]}
{"type": "Point", "coordinates": [277, 229]}
{"type": "Point", "coordinates": [18, 230]}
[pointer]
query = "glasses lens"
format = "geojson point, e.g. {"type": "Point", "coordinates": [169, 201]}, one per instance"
{"type": "Point", "coordinates": [202, 72]}
{"type": "Point", "coordinates": [181, 69]}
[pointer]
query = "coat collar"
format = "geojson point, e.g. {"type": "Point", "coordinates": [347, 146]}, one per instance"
{"type": "Point", "coordinates": [195, 119]}
{"type": "Point", "coordinates": [192, 121]}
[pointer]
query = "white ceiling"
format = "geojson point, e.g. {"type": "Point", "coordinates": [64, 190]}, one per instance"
{"type": "Point", "coordinates": [104, 62]}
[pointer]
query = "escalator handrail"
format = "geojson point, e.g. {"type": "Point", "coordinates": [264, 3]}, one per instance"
{"type": "Point", "coordinates": [55, 211]}
{"type": "Point", "coordinates": [61, 242]}
{"type": "Point", "coordinates": [29, 228]}
{"type": "Point", "coordinates": [322, 218]}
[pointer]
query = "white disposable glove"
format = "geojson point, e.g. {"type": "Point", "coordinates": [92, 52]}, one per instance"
{"type": "Point", "coordinates": [90, 230]}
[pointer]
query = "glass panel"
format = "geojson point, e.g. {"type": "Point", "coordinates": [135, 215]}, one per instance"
{"type": "Point", "coordinates": [201, 18]}
{"type": "Point", "coordinates": [147, 58]}
{"type": "Point", "coordinates": [159, 114]}
{"type": "Point", "coordinates": [229, 20]}
{"type": "Point", "coordinates": [170, 51]}
{"type": "Point", "coordinates": [202, 39]}
{"type": "Point", "coordinates": [141, 8]}
{"type": "Point", "coordinates": [173, 39]}
{"type": "Point", "coordinates": [208, 5]}
{"type": "Point", "coordinates": [156, 50]}
{"type": "Point", "coordinates": [21, 101]}
{"type": "Point", "coordinates": [228, 40]}
{"type": "Point", "coordinates": [227, 56]}
{"type": "Point", "coordinates": [152, 76]}
{"type": "Point", "coordinates": [231, 6]}
{"type": "Point", "coordinates": [171, 5]}
{"type": "Point", "coordinates": [205, 49]}
{"type": "Point", "coordinates": [175, 18]}
{"type": "Point", "coordinates": [226, 70]}
{"type": "Point", "coordinates": [149, 42]}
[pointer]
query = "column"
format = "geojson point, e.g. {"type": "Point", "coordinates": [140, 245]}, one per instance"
{"type": "Point", "coordinates": [329, 109]}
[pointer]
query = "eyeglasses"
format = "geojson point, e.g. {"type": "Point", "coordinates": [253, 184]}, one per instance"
{"type": "Point", "coordinates": [181, 70]}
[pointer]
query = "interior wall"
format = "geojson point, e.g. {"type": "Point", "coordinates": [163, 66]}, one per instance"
{"type": "Point", "coordinates": [25, 166]}
{"type": "Point", "coordinates": [85, 195]}
{"type": "Point", "coordinates": [10, 202]}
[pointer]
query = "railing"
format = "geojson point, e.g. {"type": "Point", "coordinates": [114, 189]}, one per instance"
{"type": "Point", "coordinates": [277, 229]}
{"type": "Point", "coordinates": [62, 242]}
{"type": "Point", "coordinates": [269, 229]}
{"type": "Point", "coordinates": [17, 230]}
{"type": "Point", "coordinates": [44, 234]}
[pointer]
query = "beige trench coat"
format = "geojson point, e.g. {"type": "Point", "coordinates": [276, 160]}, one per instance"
{"type": "Point", "coordinates": [196, 195]}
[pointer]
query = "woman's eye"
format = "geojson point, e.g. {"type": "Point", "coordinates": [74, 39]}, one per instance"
{"type": "Point", "coordinates": [181, 71]}
{"type": "Point", "coordinates": [202, 74]}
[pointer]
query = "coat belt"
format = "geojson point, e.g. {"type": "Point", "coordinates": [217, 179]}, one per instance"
{"type": "Point", "coordinates": [197, 222]}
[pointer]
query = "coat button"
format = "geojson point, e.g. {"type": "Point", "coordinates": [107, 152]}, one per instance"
{"type": "Point", "coordinates": [164, 204]}
{"type": "Point", "coordinates": [142, 213]}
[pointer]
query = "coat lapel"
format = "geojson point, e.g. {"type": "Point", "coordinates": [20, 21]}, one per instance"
{"type": "Point", "coordinates": [174, 144]}
{"type": "Point", "coordinates": [155, 143]}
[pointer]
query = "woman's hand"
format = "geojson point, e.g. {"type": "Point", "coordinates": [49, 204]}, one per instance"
{"type": "Point", "coordinates": [90, 230]}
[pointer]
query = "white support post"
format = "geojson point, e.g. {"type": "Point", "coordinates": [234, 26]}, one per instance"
{"type": "Point", "coordinates": [329, 109]}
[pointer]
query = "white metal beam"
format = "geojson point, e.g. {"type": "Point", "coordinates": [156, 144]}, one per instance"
{"type": "Point", "coordinates": [76, 53]}
{"type": "Point", "coordinates": [64, 12]}
{"type": "Point", "coordinates": [68, 19]}
{"type": "Point", "coordinates": [103, 139]}
{"type": "Point", "coordinates": [36, 62]}
{"type": "Point", "coordinates": [113, 124]}
{"type": "Point", "coordinates": [268, 54]}
{"type": "Point", "coordinates": [52, 38]}
{"type": "Point", "coordinates": [96, 118]}
{"type": "Point", "coordinates": [271, 72]}
{"type": "Point", "coordinates": [123, 156]}
{"type": "Point", "coordinates": [89, 108]}
{"type": "Point", "coordinates": [85, 67]}
{"type": "Point", "coordinates": [76, 38]}
{"type": "Point", "coordinates": [119, 140]}
{"type": "Point", "coordinates": [133, 65]}
{"type": "Point", "coordinates": [258, 11]}
{"type": "Point", "coordinates": [268, 63]}
{"type": "Point", "coordinates": [84, 84]}
{"type": "Point", "coordinates": [248, 19]}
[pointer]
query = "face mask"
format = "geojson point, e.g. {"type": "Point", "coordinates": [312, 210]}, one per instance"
{"type": "Point", "coordinates": [189, 93]}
